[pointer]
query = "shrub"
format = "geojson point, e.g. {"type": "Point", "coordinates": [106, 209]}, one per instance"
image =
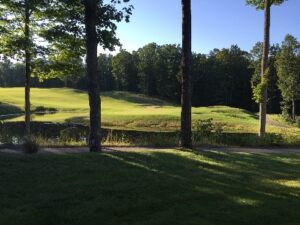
{"type": "Point", "coordinates": [30, 146]}
{"type": "Point", "coordinates": [203, 128]}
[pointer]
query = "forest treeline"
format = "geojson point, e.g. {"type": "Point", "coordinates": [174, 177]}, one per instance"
{"type": "Point", "coordinates": [222, 77]}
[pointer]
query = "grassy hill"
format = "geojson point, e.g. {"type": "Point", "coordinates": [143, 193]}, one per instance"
{"type": "Point", "coordinates": [119, 109]}
{"type": "Point", "coordinates": [127, 111]}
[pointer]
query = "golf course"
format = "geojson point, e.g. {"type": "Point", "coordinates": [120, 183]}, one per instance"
{"type": "Point", "coordinates": [124, 111]}
{"type": "Point", "coordinates": [136, 112]}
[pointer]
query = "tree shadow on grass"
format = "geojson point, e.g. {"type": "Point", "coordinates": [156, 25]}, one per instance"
{"type": "Point", "coordinates": [8, 111]}
{"type": "Point", "coordinates": [251, 114]}
{"type": "Point", "coordinates": [220, 188]}
{"type": "Point", "coordinates": [152, 187]}
{"type": "Point", "coordinates": [136, 99]}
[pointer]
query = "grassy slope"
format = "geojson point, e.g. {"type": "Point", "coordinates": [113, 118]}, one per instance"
{"type": "Point", "coordinates": [128, 111]}
{"type": "Point", "coordinates": [150, 187]}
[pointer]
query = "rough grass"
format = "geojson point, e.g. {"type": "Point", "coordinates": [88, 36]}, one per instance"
{"type": "Point", "coordinates": [124, 110]}
{"type": "Point", "coordinates": [150, 187]}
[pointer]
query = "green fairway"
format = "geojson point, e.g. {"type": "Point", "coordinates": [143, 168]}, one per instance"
{"type": "Point", "coordinates": [150, 187]}
{"type": "Point", "coordinates": [123, 110]}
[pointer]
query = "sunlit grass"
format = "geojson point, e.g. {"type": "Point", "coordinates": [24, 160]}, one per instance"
{"type": "Point", "coordinates": [128, 111]}
{"type": "Point", "coordinates": [287, 183]}
{"type": "Point", "coordinates": [123, 110]}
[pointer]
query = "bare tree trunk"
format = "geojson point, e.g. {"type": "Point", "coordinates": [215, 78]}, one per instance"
{"type": "Point", "coordinates": [293, 110]}
{"type": "Point", "coordinates": [186, 115]}
{"type": "Point", "coordinates": [264, 67]}
{"type": "Point", "coordinates": [91, 64]}
{"type": "Point", "coordinates": [27, 70]}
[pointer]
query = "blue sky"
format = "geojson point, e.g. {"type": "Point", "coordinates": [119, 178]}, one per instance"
{"type": "Point", "coordinates": [216, 24]}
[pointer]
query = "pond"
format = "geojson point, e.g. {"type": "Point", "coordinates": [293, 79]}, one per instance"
{"type": "Point", "coordinates": [13, 132]}
{"type": "Point", "coordinates": [54, 134]}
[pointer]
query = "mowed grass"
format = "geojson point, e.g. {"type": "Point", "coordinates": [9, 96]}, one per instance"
{"type": "Point", "coordinates": [150, 187]}
{"type": "Point", "coordinates": [127, 111]}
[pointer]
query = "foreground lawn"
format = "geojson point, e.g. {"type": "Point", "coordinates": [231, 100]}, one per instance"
{"type": "Point", "coordinates": [150, 187]}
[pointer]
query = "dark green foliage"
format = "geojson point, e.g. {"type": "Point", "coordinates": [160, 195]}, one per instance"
{"type": "Point", "coordinates": [148, 69]}
{"type": "Point", "coordinates": [274, 96]}
{"type": "Point", "coordinates": [259, 89]}
{"type": "Point", "coordinates": [105, 75]}
{"type": "Point", "coordinates": [288, 67]}
{"type": "Point", "coordinates": [222, 78]}
{"type": "Point", "coordinates": [232, 74]}
{"type": "Point", "coordinates": [204, 128]}
{"type": "Point", "coordinates": [107, 81]}
{"type": "Point", "coordinates": [208, 132]}
{"type": "Point", "coordinates": [168, 77]}
{"type": "Point", "coordinates": [11, 74]}
{"type": "Point", "coordinates": [124, 70]}
{"type": "Point", "coordinates": [158, 70]}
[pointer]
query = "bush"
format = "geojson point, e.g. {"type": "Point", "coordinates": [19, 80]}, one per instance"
{"type": "Point", "coordinates": [203, 128]}
{"type": "Point", "coordinates": [208, 132]}
{"type": "Point", "coordinates": [30, 146]}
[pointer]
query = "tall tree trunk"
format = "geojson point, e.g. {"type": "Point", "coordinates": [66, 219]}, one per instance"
{"type": "Point", "coordinates": [27, 69]}
{"type": "Point", "coordinates": [293, 110]}
{"type": "Point", "coordinates": [186, 115]}
{"type": "Point", "coordinates": [264, 67]}
{"type": "Point", "coordinates": [91, 67]}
